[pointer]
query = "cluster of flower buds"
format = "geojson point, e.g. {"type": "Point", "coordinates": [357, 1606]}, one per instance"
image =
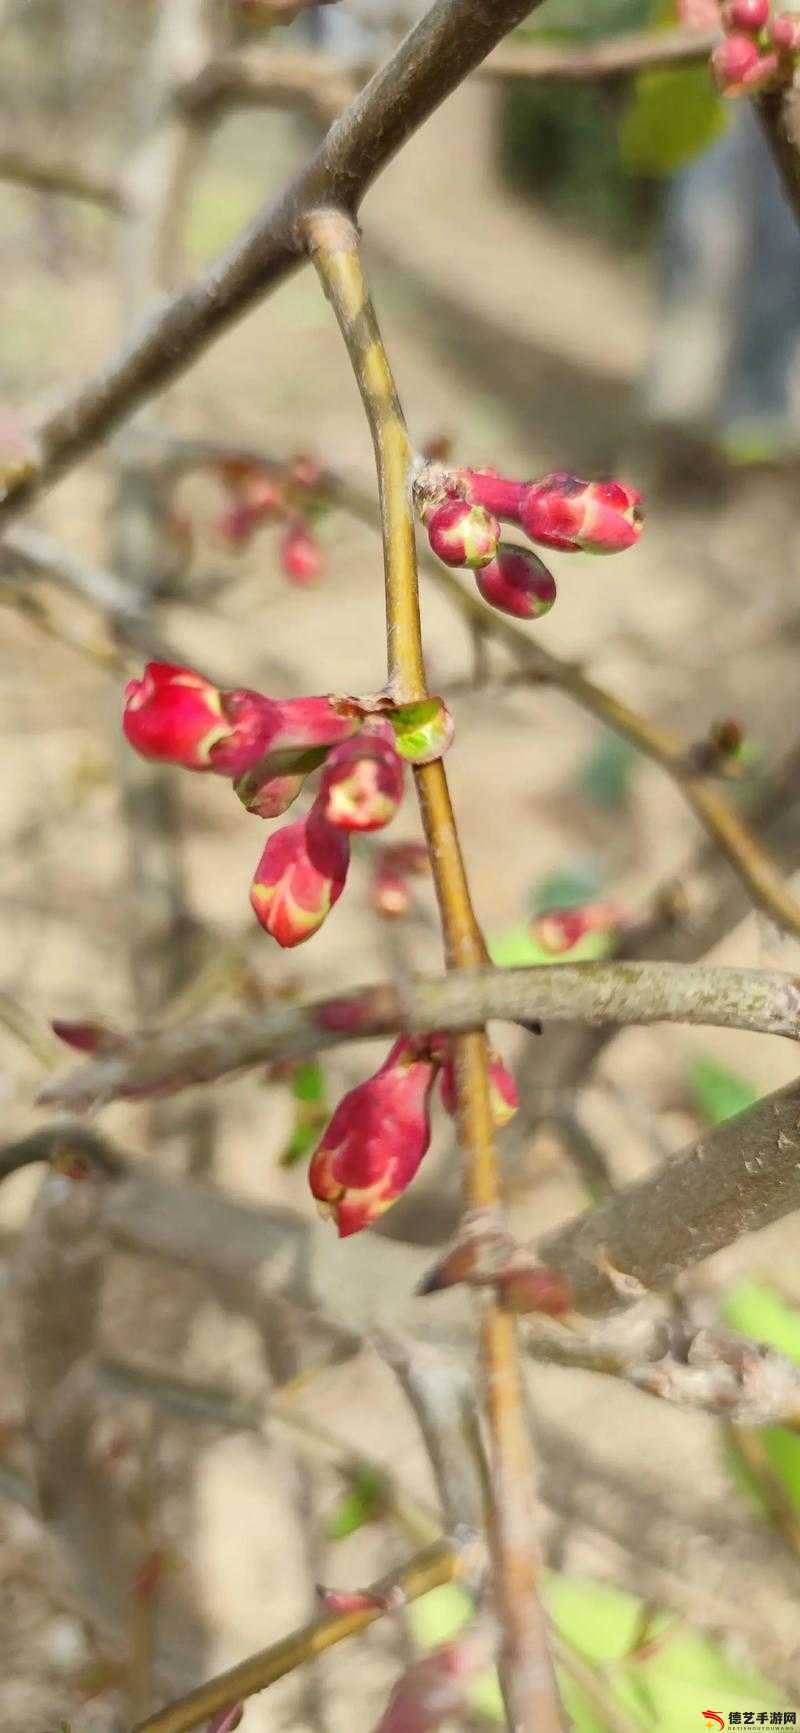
{"type": "Point", "coordinates": [259, 494]}
{"type": "Point", "coordinates": [560, 930]}
{"type": "Point", "coordinates": [268, 748]}
{"type": "Point", "coordinates": [380, 1130]}
{"type": "Point", "coordinates": [462, 511]}
{"type": "Point", "coordinates": [759, 50]}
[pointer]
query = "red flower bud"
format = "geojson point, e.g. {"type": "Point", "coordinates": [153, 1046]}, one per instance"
{"type": "Point", "coordinates": [175, 714]}
{"type": "Point", "coordinates": [461, 534]}
{"type": "Point", "coordinates": [559, 930]}
{"type": "Point", "coordinates": [362, 783]}
{"type": "Point", "coordinates": [390, 893]}
{"type": "Point", "coordinates": [747, 15]}
{"type": "Point", "coordinates": [784, 32]}
{"type": "Point", "coordinates": [503, 1091]}
{"type": "Point", "coordinates": [301, 555]}
{"type": "Point", "coordinates": [596, 517]}
{"type": "Point", "coordinates": [376, 1139]}
{"type": "Point", "coordinates": [266, 727]}
{"type": "Point", "coordinates": [517, 582]}
{"type": "Point", "coordinates": [300, 876]}
{"type": "Point", "coordinates": [498, 496]}
{"type": "Point", "coordinates": [537, 1289]}
{"type": "Point", "coordinates": [732, 61]}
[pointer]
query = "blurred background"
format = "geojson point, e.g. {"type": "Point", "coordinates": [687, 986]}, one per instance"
{"type": "Point", "coordinates": [567, 278]}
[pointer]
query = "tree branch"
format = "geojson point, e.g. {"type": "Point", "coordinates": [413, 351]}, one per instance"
{"type": "Point", "coordinates": [25, 165]}
{"type": "Point", "coordinates": [438, 53]}
{"type": "Point", "coordinates": [738, 1178]}
{"type": "Point", "coordinates": [428, 1570]}
{"type": "Point", "coordinates": [767, 1002]}
{"type": "Point", "coordinates": [530, 1691]}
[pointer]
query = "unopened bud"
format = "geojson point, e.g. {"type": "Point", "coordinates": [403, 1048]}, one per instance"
{"type": "Point", "coordinates": [461, 534]}
{"type": "Point", "coordinates": [518, 583]}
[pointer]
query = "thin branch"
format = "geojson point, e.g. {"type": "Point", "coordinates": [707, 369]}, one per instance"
{"type": "Point", "coordinates": [428, 1570]}
{"type": "Point", "coordinates": [529, 1686]}
{"type": "Point", "coordinates": [42, 556]}
{"type": "Point", "coordinates": [260, 77]}
{"type": "Point", "coordinates": [779, 114]}
{"type": "Point", "coordinates": [438, 53]}
{"type": "Point", "coordinates": [601, 993]}
{"type": "Point", "coordinates": [26, 165]}
{"type": "Point", "coordinates": [738, 1178]}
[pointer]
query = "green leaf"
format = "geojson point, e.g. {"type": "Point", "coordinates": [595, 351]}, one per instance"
{"type": "Point", "coordinates": [566, 888]}
{"type": "Point", "coordinates": [672, 117]}
{"type": "Point", "coordinates": [422, 731]}
{"type": "Point", "coordinates": [310, 1112]}
{"type": "Point", "coordinates": [364, 1501]}
{"type": "Point", "coordinates": [517, 949]}
{"type": "Point", "coordinates": [718, 1092]}
{"type": "Point", "coordinates": [605, 778]}
{"type": "Point", "coordinates": [661, 1690]}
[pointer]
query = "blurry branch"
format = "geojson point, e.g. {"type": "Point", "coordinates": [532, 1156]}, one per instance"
{"type": "Point", "coordinates": [27, 1029]}
{"type": "Point", "coordinates": [325, 86]}
{"type": "Point", "coordinates": [25, 165]}
{"type": "Point", "coordinates": [441, 1393]}
{"type": "Point", "coordinates": [779, 113]}
{"type": "Point", "coordinates": [60, 1138]}
{"type": "Point", "coordinates": [431, 1568]}
{"type": "Point", "coordinates": [658, 1350]}
{"type": "Point", "coordinates": [43, 556]}
{"type": "Point", "coordinates": [615, 993]}
{"type": "Point", "coordinates": [738, 1178]}
{"type": "Point", "coordinates": [438, 53]}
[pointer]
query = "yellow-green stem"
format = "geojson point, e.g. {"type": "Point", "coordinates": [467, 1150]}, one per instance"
{"type": "Point", "coordinates": [529, 1686]}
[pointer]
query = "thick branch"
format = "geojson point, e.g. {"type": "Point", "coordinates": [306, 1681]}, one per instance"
{"type": "Point", "coordinates": [600, 993]}
{"type": "Point", "coordinates": [432, 60]}
{"type": "Point", "coordinates": [737, 1179]}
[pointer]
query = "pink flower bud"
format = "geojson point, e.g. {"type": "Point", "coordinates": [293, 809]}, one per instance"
{"type": "Point", "coordinates": [596, 517]}
{"type": "Point", "coordinates": [226, 1720]}
{"type": "Point", "coordinates": [265, 727]}
{"type": "Point", "coordinates": [461, 534]}
{"type": "Point", "coordinates": [390, 893]}
{"type": "Point", "coordinates": [301, 555]}
{"type": "Point", "coordinates": [502, 498]}
{"type": "Point", "coordinates": [559, 930]}
{"type": "Point", "coordinates": [362, 783]}
{"type": "Point", "coordinates": [784, 32]}
{"type": "Point", "coordinates": [503, 1091]}
{"type": "Point", "coordinates": [749, 16]}
{"type": "Point", "coordinates": [300, 876]}
{"type": "Point", "coordinates": [175, 714]}
{"type": "Point", "coordinates": [517, 582]}
{"type": "Point", "coordinates": [731, 62]}
{"type": "Point", "coordinates": [376, 1139]}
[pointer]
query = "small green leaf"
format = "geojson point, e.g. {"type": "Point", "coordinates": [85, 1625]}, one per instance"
{"type": "Point", "coordinates": [422, 731]}
{"type": "Point", "coordinates": [517, 949]}
{"type": "Point", "coordinates": [605, 778]}
{"type": "Point", "coordinates": [363, 1501]}
{"type": "Point", "coordinates": [310, 1112]}
{"type": "Point", "coordinates": [718, 1092]}
{"type": "Point", "coordinates": [566, 888]}
{"type": "Point", "coordinates": [673, 116]}
{"type": "Point", "coordinates": [308, 1082]}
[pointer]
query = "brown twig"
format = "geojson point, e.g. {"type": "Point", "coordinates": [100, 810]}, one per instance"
{"type": "Point", "coordinates": [599, 993]}
{"type": "Point", "coordinates": [26, 165]}
{"type": "Point", "coordinates": [529, 1686]}
{"type": "Point", "coordinates": [452, 38]}
{"type": "Point", "coordinates": [428, 1570]}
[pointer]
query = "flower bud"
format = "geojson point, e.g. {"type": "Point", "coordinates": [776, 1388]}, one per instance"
{"type": "Point", "coordinates": [733, 64]}
{"type": "Point", "coordinates": [503, 1091]}
{"type": "Point", "coordinates": [301, 555]}
{"type": "Point", "coordinates": [560, 930]}
{"type": "Point", "coordinates": [390, 893]}
{"type": "Point", "coordinates": [461, 534]}
{"type": "Point", "coordinates": [784, 32]}
{"type": "Point", "coordinates": [376, 1139]}
{"type": "Point", "coordinates": [517, 582]}
{"type": "Point", "coordinates": [749, 16]}
{"type": "Point", "coordinates": [175, 714]}
{"type": "Point", "coordinates": [596, 517]}
{"type": "Point", "coordinates": [300, 876]}
{"type": "Point", "coordinates": [362, 783]}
